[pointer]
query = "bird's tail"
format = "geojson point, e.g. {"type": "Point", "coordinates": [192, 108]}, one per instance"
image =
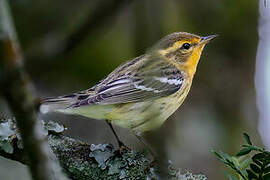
{"type": "Point", "coordinates": [57, 104]}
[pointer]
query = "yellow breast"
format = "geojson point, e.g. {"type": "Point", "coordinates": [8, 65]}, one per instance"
{"type": "Point", "coordinates": [148, 115]}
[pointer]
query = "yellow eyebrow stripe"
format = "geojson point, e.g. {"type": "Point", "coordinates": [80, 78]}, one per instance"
{"type": "Point", "coordinates": [177, 45]}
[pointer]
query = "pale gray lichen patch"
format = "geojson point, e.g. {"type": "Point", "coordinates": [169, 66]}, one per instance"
{"type": "Point", "coordinates": [102, 153]}
{"type": "Point", "coordinates": [82, 161]}
{"type": "Point", "coordinates": [6, 129]}
{"type": "Point", "coordinates": [53, 127]}
{"type": "Point", "coordinates": [7, 133]}
{"type": "Point", "coordinates": [6, 146]}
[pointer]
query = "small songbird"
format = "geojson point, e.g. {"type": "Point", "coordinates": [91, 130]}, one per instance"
{"type": "Point", "coordinates": [143, 92]}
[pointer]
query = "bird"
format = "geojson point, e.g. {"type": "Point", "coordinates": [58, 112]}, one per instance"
{"type": "Point", "coordinates": [142, 93]}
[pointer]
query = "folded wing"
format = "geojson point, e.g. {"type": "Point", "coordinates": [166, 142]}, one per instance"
{"type": "Point", "coordinates": [155, 83]}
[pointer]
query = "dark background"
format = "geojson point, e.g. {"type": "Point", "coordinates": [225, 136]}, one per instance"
{"type": "Point", "coordinates": [221, 104]}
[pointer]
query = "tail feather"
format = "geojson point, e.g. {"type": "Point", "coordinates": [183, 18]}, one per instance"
{"type": "Point", "coordinates": [57, 104]}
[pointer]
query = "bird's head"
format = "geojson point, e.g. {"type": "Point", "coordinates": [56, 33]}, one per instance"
{"type": "Point", "coordinates": [183, 49]}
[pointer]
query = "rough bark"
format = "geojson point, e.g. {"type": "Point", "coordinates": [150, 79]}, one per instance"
{"type": "Point", "coordinates": [82, 161]}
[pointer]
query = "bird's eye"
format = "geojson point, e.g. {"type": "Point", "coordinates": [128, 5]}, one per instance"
{"type": "Point", "coordinates": [186, 46]}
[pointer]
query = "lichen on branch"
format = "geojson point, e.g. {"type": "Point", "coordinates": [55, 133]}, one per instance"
{"type": "Point", "coordinates": [82, 161]}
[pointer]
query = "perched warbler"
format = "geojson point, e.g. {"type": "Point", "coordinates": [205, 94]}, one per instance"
{"type": "Point", "coordinates": [143, 92]}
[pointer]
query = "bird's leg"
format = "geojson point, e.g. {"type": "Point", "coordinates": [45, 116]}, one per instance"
{"type": "Point", "coordinates": [148, 147]}
{"type": "Point", "coordinates": [120, 144]}
{"type": "Point", "coordinates": [157, 158]}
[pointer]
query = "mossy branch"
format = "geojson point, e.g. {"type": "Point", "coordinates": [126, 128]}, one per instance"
{"type": "Point", "coordinates": [83, 161]}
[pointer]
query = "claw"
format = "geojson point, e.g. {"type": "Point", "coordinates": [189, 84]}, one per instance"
{"type": "Point", "coordinates": [123, 148]}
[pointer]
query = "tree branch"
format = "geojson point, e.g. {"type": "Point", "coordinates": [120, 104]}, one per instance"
{"type": "Point", "coordinates": [82, 161]}
{"type": "Point", "coordinates": [103, 14]}
{"type": "Point", "coordinates": [17, 90]}
{"type": "Point", "coordinates": [262, 76]}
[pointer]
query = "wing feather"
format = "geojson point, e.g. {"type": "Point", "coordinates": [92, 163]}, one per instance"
{"type": "Point", "coordinates": [125, 85]}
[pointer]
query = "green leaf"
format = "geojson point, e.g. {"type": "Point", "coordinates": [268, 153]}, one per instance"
{"type": "Point", "coordinates": [230, 176]}
{"type": "Point", "coordinates": [266, 176]}
{"type": "Point", "coordinates": [246, 136]}
{"type": "Point", "coordinates": [258, 162]}
{"type": "Point", "coordinates": [266, 170]}
{"type": "Point", "coordinates": [258, 165]}
{"type": "Point", "coordinates": [253, 148]}
{"type": "Point", "coordinates": [255, 168]}
{"type": "Point", "coordinates": [244, 151]}
{"type": "Point", "coordinates": [244, 164]}
{"type": "Point", "coordinates": [266, 156]}
{"type": "Point", "coordinates": [258, 156]}
{"type": "Point", "coordinates": [218, 155]}
{"type": "Point", "coordinates": [251, 175]}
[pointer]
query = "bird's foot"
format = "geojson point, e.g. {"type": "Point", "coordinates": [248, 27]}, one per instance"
{"type": "Point", "coordinates": [123, 147]}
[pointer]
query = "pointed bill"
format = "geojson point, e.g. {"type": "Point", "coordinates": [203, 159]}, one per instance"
{"type": "Point", "coordinates": [206, 39]}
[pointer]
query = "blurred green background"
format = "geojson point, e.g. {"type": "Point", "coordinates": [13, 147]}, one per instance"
{"type": "Point", "coordinates": [221, 104]}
